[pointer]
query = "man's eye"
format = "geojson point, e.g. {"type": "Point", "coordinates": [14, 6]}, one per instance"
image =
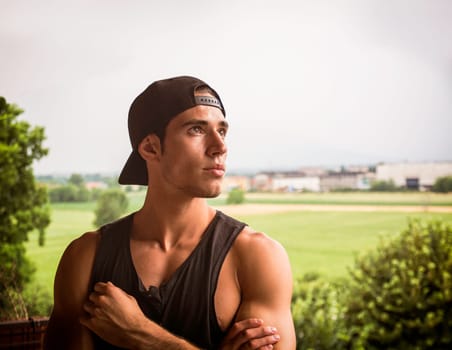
{"type": "Point", "coordinates": [223, 132]}
{"type": "Point", "coordinates": [196, 130]}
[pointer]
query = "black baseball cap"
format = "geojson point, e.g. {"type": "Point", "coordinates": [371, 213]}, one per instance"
{"type": "Point", "coordinates": [151, 112]}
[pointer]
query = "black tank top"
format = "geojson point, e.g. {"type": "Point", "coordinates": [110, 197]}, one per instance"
{"type": "Point", "coordinates": [184, 304]}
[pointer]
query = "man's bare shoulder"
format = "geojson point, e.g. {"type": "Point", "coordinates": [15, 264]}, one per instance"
{"type": "Point", "coordinates": [259, 257]}
{"type": "Point", "coordinates": [83, 244]}
{"type": "Point", "coordinates": [75, 266]}
{"type": "Point", "coordinates": [253, 244]}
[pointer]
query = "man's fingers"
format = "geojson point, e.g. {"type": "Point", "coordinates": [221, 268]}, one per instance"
{"type": "Point", "coordinates": [241, 326]}
{"type": "Point", "coordinates": [102, 287]}
{"type": "Point", "coordinates": [89, 307]}
{"type": "Point", "coordinates": [254, 338]}
{"type": "Point", "coordinates": [263, 342]}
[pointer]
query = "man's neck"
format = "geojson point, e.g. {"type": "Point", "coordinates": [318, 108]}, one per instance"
{"type": "Point", "coordinates": [169, 220]}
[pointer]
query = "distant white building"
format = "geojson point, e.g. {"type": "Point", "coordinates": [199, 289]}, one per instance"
{"type": "Point", "coordinates": [286, 181]}
{"type": "Point", "coordinates": [346, 180]}
{"type": "Point", "coordinates": [296, 183]}
{"type": "Point", "coordinates": [413, 175]}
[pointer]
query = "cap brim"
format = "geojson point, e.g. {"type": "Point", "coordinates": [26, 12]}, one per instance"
{"type": "Point", "coordinates": [134, 171]}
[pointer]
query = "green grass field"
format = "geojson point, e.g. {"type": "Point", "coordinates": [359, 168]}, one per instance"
{"type": "Point", "coordinates": [315, 241]}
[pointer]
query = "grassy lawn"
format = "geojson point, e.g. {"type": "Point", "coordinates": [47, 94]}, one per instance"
{"type": "Point", "coordinates": [315, 241]}
{"type": "Point", "coordinates": [352, 198]}
{"type": "Point", "coordinates": [326, 242]}
{"type": "Point", "coordinates": [347, 198]}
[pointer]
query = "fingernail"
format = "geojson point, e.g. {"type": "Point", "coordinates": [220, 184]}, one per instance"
{"type": "Point", "coordinates": [273, 329]}
{"type": "Point", "coordinates": [276, 337]}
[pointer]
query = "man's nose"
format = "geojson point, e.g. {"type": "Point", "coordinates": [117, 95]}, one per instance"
{"type": "Point", "coordinates": [217, 146]}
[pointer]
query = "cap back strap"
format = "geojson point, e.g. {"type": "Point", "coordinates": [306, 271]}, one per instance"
{"type": "Point", "coordinates": [208, 101]}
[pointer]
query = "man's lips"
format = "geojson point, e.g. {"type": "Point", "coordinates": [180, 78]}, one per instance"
{"type": "Point", "coordinates": [217, 170]}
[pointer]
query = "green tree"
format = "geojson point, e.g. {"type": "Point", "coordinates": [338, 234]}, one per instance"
{"type": "Point", "coordinates": [236, 196]}
{"type": "Point", "coordinates": [383, 186]}
{"type": "Point", "coordinates": [77, 180]}
{"type": "Point", "coordinates": [74, 191]}
{"type": "Point", "coordinates": [82, 193]}
{"type": "Point", "coordinates": [23, 203]}
{"type": "Point", "coordinates": [111, 204]}
{"type": "Point", "coordinates": [443, 184]}
{"type": "Point", "coordinates": [67, 193]}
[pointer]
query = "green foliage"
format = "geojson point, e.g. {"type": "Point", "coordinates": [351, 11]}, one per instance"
{"type": "Point", "coordinates": [317, 311]}
{"type": "Point", "coordinates": [383, 186]}
{"type": "Point", "coordinates": [38, 301]}
{"type": "Point", "coordinates": [74, 191]}
{"type": "Point", "coordinates": [77, 180]}
{"type": "Point", "coordinates": [236, 196]}
{"type": "Point", "coordinates": [443, 184]}
{"type": "Point", "coordinates": [23, 204]}
{"type": "Point", "coordinates": [110, 206]}
{"type": "Point", "coordinates": [401, 295]}
{"type": "Point", "coordinates": [67, 193]}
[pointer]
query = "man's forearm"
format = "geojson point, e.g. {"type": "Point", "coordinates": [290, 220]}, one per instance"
{"type": "Point", "coordinates": [156, 337]}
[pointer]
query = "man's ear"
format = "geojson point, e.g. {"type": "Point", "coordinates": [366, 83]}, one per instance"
{"type": "Point", "coordinates": [149, 148]}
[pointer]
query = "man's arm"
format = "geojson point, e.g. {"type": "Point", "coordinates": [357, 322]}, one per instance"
{"type": "Point", "coordinates": [116, 317]}
{"type": "Point", "coordinates": [265, 281]}
{"type": "Point", "coordinates": [64, 330]}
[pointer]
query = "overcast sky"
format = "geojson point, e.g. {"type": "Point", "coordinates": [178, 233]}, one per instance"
{"type": "Point", "coordinates": [303, 82]}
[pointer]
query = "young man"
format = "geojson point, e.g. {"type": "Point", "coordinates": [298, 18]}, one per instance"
{"type": "Point", "coordinates": [177, 274]}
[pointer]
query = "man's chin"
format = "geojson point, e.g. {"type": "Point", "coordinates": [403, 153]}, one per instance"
{"type": "Point", "coordinates": [212, 195]}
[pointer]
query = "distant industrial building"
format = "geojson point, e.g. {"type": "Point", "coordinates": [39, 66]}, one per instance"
{"type": "Point", "coordinates": [285, 181]}
{"type": "Point", "coordinates": [417, 176]}
{"type": "Point", "coordinates": [314, 181]}
{"type": "Point", "coordinates": [295, 183]}
{"type": "Point", "coordinates": [346, 180]}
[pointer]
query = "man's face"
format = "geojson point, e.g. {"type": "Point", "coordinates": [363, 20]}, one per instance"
{"type": "Point", "coordinates": [194, 154]}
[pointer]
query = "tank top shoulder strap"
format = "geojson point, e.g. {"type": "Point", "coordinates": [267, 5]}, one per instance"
{"type": "Point", "coordinates": [110, 263]}
{"type": "Point", "coordinates": [225, 232]}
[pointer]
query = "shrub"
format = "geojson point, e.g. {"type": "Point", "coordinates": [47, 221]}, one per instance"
{"type": "Point", "coordinates": [236, 196]}
{"type": "Point", "coordinates": [69, 193]}
{"type": "Point", "coordinates": [317, 310]}
{"type": "Point", "coordinates": [383, 186]}
{"type": "Point", "coordinates": [443, 184]}
{"type": "Point", "coordinates": [38, 301]}
{"type": "Point", "coordinates": [111, 204]}
{"type": "Point", "coordinates": [401, 294]}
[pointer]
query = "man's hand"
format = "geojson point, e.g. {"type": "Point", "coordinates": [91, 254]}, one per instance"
{"type": "Point", "coordinates": [250, 334]}
{"type": "Point", "coordinates": [114, 315]}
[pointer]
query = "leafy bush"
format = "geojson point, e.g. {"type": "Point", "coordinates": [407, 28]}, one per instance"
{"type": "Point", "coordinates": [317, 310]}
{"type": "Point", "coordinates": [69, 193]}
{"type": "Point", "coordinates": [443, 184]}
{"type": "Point", "coordinates": [236, 196]}
{"type": "Point", "coordinates": [383, 186]}
{"type": "Point", "coordinates": [111, 204]}
{"type": "Point", "coordinates": [401, 294]}
{"type": "Point", "coordinates": [38, 301]}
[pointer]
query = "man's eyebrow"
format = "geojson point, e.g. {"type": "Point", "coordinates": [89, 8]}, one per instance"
{"type": "Point", "coordinates": [223, 123]}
